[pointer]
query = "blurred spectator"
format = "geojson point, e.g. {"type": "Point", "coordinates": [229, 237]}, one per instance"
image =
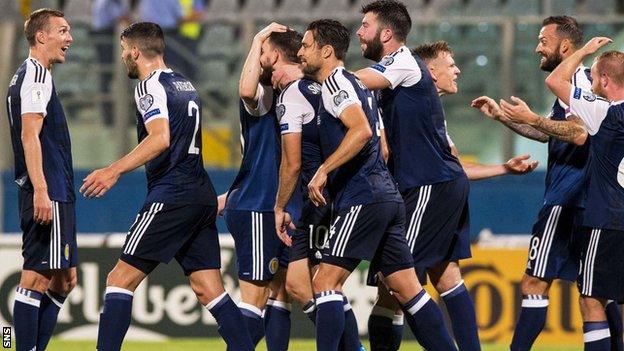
{"type": "Point", "coordinates": [179, 19]}
{"type": "Point", "coordinates": [106, 15]}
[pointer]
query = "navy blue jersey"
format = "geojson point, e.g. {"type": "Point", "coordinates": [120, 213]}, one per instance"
{"type": "Point", "coordinates": [32, 91]}
{"type": "Point", "coordinates": [365, 178]}
{"type": "Point", "coordinates": [177, 175]}
{"type": "Point", "coordinates": [567, 163]}
{"type": "Point", "coordinates": [604, 120]}
{"type": "Point", "coordinates": [413, 116]}
{"type": "Point", "coordinates": [297, 106]}
{"type": "Point", "coordinates": [255, 185]}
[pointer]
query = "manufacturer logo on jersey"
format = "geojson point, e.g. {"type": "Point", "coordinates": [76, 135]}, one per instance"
{"type": "Point", "coordinates": [280, 110]}
{"type": "Point", "coordinates": [387, 61]}
{"type": "Point", "coordinates": [589, 97]}
{"type": "Point", "coordinates": [314, 88]}
{"type": "Point", "coordinates": [342, 96]}
{"type": "Point", "coordinates": [146, 102]}
{"type": "Point", "coordinates": [66, 252]}
{"type": "Point", "coordinates": [273, 265]}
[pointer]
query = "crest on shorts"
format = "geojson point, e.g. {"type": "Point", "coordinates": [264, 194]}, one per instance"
{"type": "Point", "coordinates": [340, 97]}
{"type": "Point", "coordinates": [146, 102]}
{"type": "Point", "coordinates": [273, 265]}
{"type": "Point", "coordinates": [280, 110]}
{"type": "Point", "coordinates": [387, 61]}
{"type": "Point", "coordinates": [589, 97]}
{"type": "Point", "coordinates": [66, 251]}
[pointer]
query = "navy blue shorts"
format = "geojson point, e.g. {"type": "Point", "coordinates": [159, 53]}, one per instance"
{"type": "Point", "coordinates": [51, 246]}
{"type": "Point", "coordinates": [373, 232]}
{"type": "Point", "coordinates": [312, 235]}
{"type": "Point", "coordinates": [438, 222]}
{"type": "Point", "coordinates": [258, 248]}
{"type": "Point", "coordinates": [602, 264]}
{"type": "Point", "coordinates": [187, 233]}
{"type": "Point", "coordinates": [553, 250]}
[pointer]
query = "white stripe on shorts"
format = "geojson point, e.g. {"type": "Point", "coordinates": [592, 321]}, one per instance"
{"type": "Point", "coordinates": [133, 243]}
{"type": "Point", "coordinates": [413, 230]}
{"type": "Point", "coordinates": [541, 262]}
{"type": "Point", "coordinates": [588, 265]}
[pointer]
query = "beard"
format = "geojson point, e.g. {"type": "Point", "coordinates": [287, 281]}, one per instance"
{"type": "Point", "coordinates": [265, 76]}
{"type": "Point", "coordinates": [374, 48]}
{"type": "Point", "coordinates": [132, 68]}
{"type": "Point", "coordinates": [309, 70]}
{"type": "Point", "coordinates": [552, 61]}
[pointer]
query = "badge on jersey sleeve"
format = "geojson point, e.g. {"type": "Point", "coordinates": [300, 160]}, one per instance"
{"type": "Point", "coordinates": [340, 97]}
{"type": "Point", "coordinates": [280, 110]}
{"type": "Point", "coordinates": [146, 102]}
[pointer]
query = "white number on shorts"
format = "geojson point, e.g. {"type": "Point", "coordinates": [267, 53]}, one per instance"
{"type": "Point", "coordinates": [319, 236]}
{"type": "Point", "coordinates": [533, 248]}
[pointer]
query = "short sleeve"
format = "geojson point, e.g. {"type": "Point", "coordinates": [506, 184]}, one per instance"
{"type": "Point", "coordinates": [591, 109]}
{"type": "Point", "coordinates": [293, 110]}
{"type": "Point", "coordinates": [399, 68]}
{"type": "Point", "coordinates": [265, 101]}
{"type": "Point", "coordinates": [580, 80]}
{"type": "Point", "coordinates": [36, 89]}
{"type": "Point", "coordinates": [151, 100]}
{"type": "Point", "coordinates": [338, 94]}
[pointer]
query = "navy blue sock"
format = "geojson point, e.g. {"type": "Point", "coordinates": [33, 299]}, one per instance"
{"type": "Point", "coordinates": [51, 304]}
{"type": "Point", "coordinates": [26, 318]}
{"type": "Point", "coordinates": [330, 320]}
{"type": "Point", "coordinates": [114, 319]}
{"type": "Point", "coordinates": [229, 319]}
{"type": "Point", "coordinates": [277, 325]}
{"type": "Point", "coordinates": [596, 336]}
{"type": "Point", "coordinates": [530, 322]}
{"type": "Point", "coordinates": [350, 340]}
{"type": "Point", "coordinates": [427, 323]}
{"type": "Point", "coordinates": [385, 329]}
{"type": "Point", "coordinates": [253, 320]}
{"type": "Point", "coordinates": [310, 310]}
{"type": "Point", "coordinates": [463, 319]}
{"type": "Point", "coordinates": [614, 318]}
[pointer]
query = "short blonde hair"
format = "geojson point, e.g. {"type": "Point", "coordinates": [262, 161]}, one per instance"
{"type": "Point", "coordinates": [38, 20]}
{"type": "Point", "coordinates": [611, 64]}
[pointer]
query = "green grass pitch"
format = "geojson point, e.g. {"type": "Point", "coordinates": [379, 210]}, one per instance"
{"type": "Point", "coordinates": [216, 344]}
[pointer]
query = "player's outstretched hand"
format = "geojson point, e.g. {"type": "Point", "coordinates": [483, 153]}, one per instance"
{"type": "Point", "coordinates": [284, 75]}
{"type": "Point", "coordinates": [315, 187]}
{"type": "Point", "coordinates": [594, 44]}
{"type": "Point", "coordinates": [517, 111]}
{"type": "Point", "coordinates": [266, 31]}
{"type": "Point", "coordinates": [488, 107]}
{"type": "Point", "coordinates": [283, 221]}
{"type": "Point", "coordinates": [42, 207]}
{"type": "Point", "coordinates": [99, 182]}
{"type": "Point", "coordinates": [520, 165]}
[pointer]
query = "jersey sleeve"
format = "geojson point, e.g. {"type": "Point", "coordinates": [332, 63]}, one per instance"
{"type": "Point", "coordinates": [151, 100]}
{"type": "Point", "coordinates": [36, 89]}
{"type": "Point", "coordinates": [580, 80]}
{"type": "Point", "coordinates": [591, 109]}
{"type": "Point", "coordinates": [400, 69]}
{"type": "Point", "coordinates": [293, 110]}
{"type": "Point", "coordinates": [338, 94]}
{"type": "Point", "coordinates": [265, 101]}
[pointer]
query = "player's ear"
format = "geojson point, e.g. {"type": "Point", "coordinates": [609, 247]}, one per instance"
{"type": "Point", "coordinates": [40, 37]}
{"type": "Point", "coordinates": [327, 51]}
{"type": "Point", "coordinates": [386, 35]}
{"type": "Point", "coordinates": [565, 46]}
{"type": "Point", "coordinates": [433, 75]}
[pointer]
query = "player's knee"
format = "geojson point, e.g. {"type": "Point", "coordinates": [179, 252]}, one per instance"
{"type": "Point", "coordinates": [324, 283]}
{"type": "Point", "coordinates": [534, 286]}
{"type": "Point", "coordinates": [34, 281]}
{"type": "Point", "coordinates": [591, 309]}
{"type": "Point", "coordinates": [67, 284]}
{"type": "Point", "coordinates": [297, 291]}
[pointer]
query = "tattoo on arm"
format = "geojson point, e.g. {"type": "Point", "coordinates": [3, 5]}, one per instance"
{"type": "Point", "coordinates": [567, 131]}
{"type": "Point", "coordinates": [526, 131]}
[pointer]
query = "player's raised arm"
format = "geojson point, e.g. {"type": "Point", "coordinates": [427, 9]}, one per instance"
{"type": "Point", "coordinates": [560, 80]}
{"type": "Point", "coordinates": [248, 86]}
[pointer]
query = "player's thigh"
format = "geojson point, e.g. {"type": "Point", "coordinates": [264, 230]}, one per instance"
{"type": "Point", "coordinates": [255, 293]}
{"type": "Point", "coordinates": [206, 284]}
{"type": "Point", "coordinates": [331, 276]}
{"type": "Point", "coordinates": [299, 281]}
{"type": "Point", "coordinates": [35, 280]}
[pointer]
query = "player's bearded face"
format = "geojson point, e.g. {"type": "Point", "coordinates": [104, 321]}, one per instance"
{"type": "Point", "coordinates": [372, 48]}
{"type": "Point", "coordinates": [550, 60]}
{"type": "Point", "coordinates": [131, 66]}
{"type": "Point", "coordinates": [265, 76]}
